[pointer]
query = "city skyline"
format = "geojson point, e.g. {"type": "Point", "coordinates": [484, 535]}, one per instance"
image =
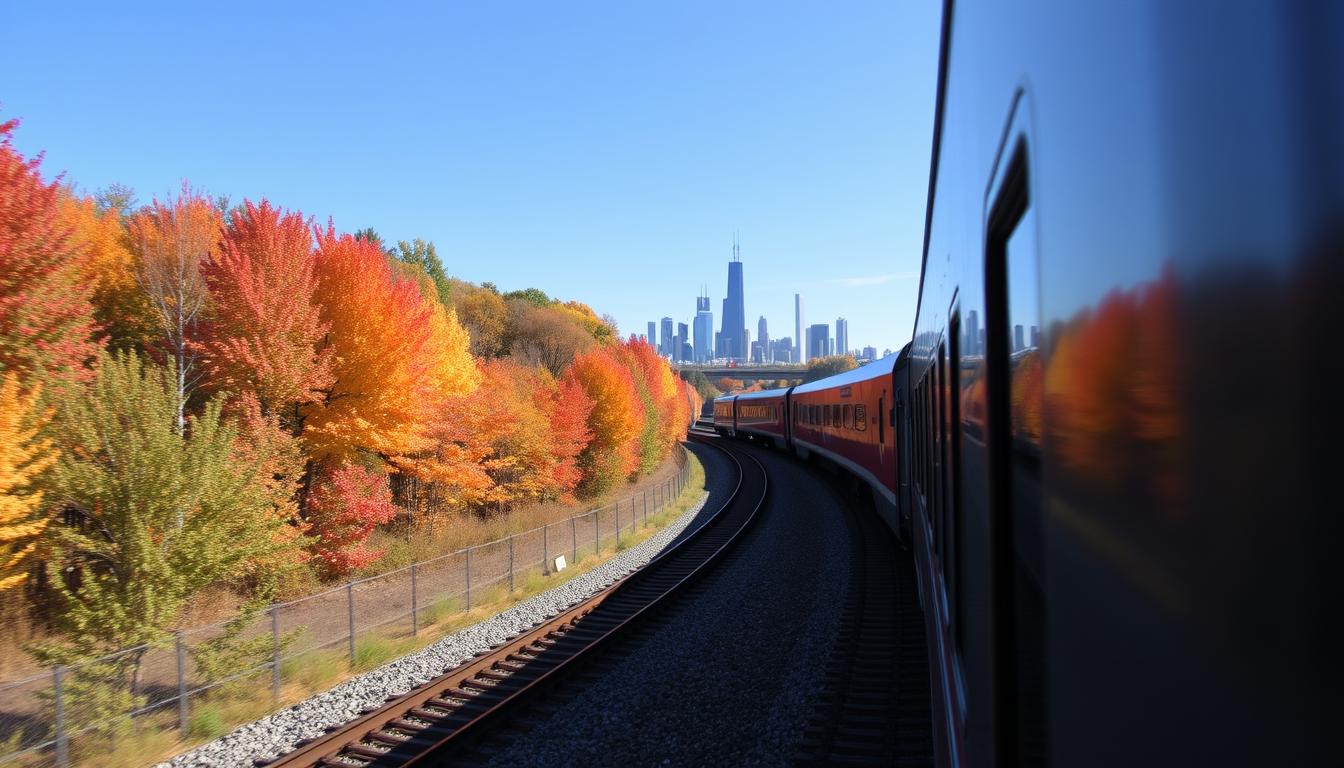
{"type": "Point", "coordinates": [764, 348]}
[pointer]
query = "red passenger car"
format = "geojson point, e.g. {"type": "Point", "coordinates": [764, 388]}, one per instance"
{"type": "Point", "coordinates": [847, 418]}
{"type": "Point", "coordinates": [764, 415]}
{"type": "Point", "coordinates": [723, 415]}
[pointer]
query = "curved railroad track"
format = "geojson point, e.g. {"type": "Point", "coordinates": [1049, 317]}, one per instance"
{"type": "Point", "coordinates": [460, 706]}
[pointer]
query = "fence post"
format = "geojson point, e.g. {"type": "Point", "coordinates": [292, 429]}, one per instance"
{"type": "Point", "coordinates": [646, 506]}
{"type": "Point", "coordinates": [350, 616]}
{"type": "Point", "coordinates": [62, 739]}
{"type": "Point", "coordinates": [468, 578]}
{"type": "Point", "coordinates": [545, 549]}
{"type": "Point", "coordinates": [275, 653]}
{"type": "Point", "coordinates": [597, 530]}
{"type": "Point", "coordinates": [573, 539]}
{"type": "Point", "coordinates": [181, 683]}
{"type": "Point", "coordinates": [415, 605]}
{"type": "Point", "coordinates": [510, 562]}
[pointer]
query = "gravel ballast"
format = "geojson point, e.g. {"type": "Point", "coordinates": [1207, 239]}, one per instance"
{"type": "Point", "coordinates": [281, 731]}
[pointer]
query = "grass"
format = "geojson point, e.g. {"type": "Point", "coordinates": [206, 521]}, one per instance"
{"type": "Point", "coordinates": [217, 712]}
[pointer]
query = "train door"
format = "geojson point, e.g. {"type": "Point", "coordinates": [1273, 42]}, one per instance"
{"type": "Point", "coordinates": [1013, 402]}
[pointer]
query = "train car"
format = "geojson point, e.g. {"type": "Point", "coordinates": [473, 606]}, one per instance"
{"type": "Point", "coordinates": [764, 415]}
{"type": "Point", "coordinates": [1126, 511]}
{"type": "Point", "coordinates": [848, 419]}
{"type": "Point", "coordinates": [723, 415]}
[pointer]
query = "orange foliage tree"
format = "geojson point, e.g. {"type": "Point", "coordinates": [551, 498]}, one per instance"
{"type": "Point", "coordinates": [396, 355]}
{"type": "Point", "coordinates": [46, 320]}
{"type": "Point", "coordinates": [615, 421]}
{"type": "Point", "coordinates": [109, 266]}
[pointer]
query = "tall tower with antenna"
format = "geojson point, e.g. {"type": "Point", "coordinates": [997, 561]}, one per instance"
{"type": "Point", "coordinates": [733, 332]}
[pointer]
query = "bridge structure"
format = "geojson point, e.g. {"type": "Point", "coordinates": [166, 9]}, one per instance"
{"type": "Point", "coordinates": [715, 371]}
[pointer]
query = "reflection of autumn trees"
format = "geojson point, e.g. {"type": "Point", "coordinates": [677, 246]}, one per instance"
{"type": "Point", "coordinates": [1110, 390]}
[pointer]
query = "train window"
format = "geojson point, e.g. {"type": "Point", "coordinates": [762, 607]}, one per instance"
{"type": "Point", "coordinates": [861, 417]}
{"type": "Point", "coordinates": [847, 416]}
{"type": "Point", "coordinates": [835, 416]}
{"type": "Point", "coordinates": [1012, 330]}
{"type": "Point", "coordinates": [955, 535]}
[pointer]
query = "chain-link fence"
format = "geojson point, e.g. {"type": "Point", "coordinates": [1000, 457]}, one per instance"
{"type": "Point", "coordinates": [68, 712]}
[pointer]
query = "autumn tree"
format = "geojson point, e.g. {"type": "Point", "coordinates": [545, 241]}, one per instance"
{"type": "Point", "coordinates": [107, 264]}
{"type": "Point", "coordinates": [547, 336]}
{"type": "Point", "coordinates": [174, 240]}
{"type": "Point", "coordinates": [567, 409]}
{"type": "Point", "coordinates": [162, 512]}
{"type": "Point", "coordinates": [23, 457]}
{"type": "Point", "coordinates": [265, 329]}
{"type": "Point", "coordinates": [47, 325]}
{"type": "Point", "coordinates": [397, 354]}
{"type": "Point", "coordinates": [483, 311]}
{"type": "Point", "coordinates": [347, 503]}
{"type": "Point", "coordinates": [615, 421]}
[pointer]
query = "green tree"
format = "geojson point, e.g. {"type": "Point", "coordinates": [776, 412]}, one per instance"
{"type": "Point", "coordinates": [161, 514]}
{"type": "Point", "coordinates": [821, 367]}
{"type": "Point", "coordinates": [534, 296]}
{"type": "Point", "coordinates": [423, 255]}
{"type": "Point", "coordinates": [697, 378]}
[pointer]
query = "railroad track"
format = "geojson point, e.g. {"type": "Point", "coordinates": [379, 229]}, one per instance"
{"type": "Point", "coordinates": [460, 707]}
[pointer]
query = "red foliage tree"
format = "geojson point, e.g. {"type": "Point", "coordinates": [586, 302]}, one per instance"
{"type": "Point", "coordinates": [346, 504]}
{"type": "Point", "coordinates": [265, 328]}
{"type": "Point", "coordinates": [46, 318]}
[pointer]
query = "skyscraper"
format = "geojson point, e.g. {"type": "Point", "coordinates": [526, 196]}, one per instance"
{"type": "Point", "coordinates": [665, 347]}
{"type": "Point", "coordinates": [800, 346]}
{"type": "Point", "coordinates": [683, 342]}
{"type": "Point", "coordinates": [763, 336]}
{"type": "Point", "coordinates": [818, 340]}
{"type": "Point", "coordinates": [653, 334]}
{"type": "Point", "coordinates": [841, 336]}
{"type": "Point", "coordinates": [734, 311]}
{"type": "Point", "coordinates": [703, 330]}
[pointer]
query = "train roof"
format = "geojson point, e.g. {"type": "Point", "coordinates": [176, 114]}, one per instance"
{"type": "Point", "coordinates": [725, 398]}
{"type": "Point", "coordinates": [876, 369]}
{"type": "Point", "coordinates": [764, 394]}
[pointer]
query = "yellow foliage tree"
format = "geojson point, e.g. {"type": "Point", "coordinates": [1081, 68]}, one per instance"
{"type": "Point", "coordinates": [22, 457]}
{"type": "Point", "coordinates": [119, 305]}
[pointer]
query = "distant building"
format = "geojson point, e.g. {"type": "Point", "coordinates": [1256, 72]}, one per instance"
{"type": "Point", "coordinates": [763, 338]}
{"type": "Point", "coordinates": [1035, 336]}
{"type": "Point", "coordinates": [841, 336]}
{"type": "Point", "coordinates": [734, 312]}
{"type": "Point", "coordinates": [703, 330]}
{"type": "Point", "coordinates": [972, 333]}
{"type": "Point", "coordinates": [683, 343]}
{"type": "Point", "coordinates": [799, 349]}
{"type": "Point", "coordinates": [818, 340]}
{"type": "Point", "coordinates": [653, 334]}
{"type": "Point", "coordinates": [781, 350]}
{"type": "Point", "coordinates": [718, 344]}
{"type": "Point", "coordinates": [870, 353]}
{"type": "Point", "coordinates": [1018, 342]}
{"type": "Point", "coordinates": [756, 355]}
{"type": "Point", "coordinates": [666, 347]}
{"type": "Point", "coordinates": [746, 344]}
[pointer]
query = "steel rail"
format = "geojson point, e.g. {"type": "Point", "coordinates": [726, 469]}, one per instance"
{"type": "Point", "coordinates": [454, 708]}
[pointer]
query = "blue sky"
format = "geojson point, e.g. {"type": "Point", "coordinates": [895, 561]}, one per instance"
{"type": "Point", "coordinates": [599, 151]}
